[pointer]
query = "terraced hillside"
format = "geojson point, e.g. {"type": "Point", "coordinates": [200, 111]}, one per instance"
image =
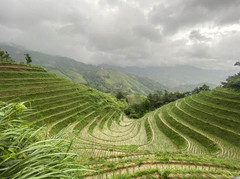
{"type": "Point", "coordinates": [195, 136]}
{"type": "Point", "coordinates": [55, 102]}
{"type": "Point", "coordinates": [204, 123]}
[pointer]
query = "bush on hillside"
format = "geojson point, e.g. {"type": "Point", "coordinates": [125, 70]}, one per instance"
{"type": "Point", "coordinates": [121, 96]}
{"type": "Point", "coordinates": [233, 82]}
{"type": "Point", "coordinates": [5, 57]}
{"type": "Point", "coordinates": [201, 88]}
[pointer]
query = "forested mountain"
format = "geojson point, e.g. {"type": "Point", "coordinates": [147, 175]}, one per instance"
{"type": "Point", "coordinates": [101, 78]}
{"type": "Point", "coordinates": [175, 76]}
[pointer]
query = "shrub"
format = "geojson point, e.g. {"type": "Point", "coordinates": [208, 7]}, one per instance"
{"type": "Point", "coordinates": [5, 57]}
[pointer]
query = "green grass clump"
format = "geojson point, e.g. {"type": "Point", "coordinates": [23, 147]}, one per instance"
{"type": "Point", "coordinates": [24, 153]}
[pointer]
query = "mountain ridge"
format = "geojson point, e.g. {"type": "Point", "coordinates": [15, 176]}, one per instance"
{"type": "Point", "coordinates": [173, 76]}
{"type": "Point", "coordinates": [103, 79]}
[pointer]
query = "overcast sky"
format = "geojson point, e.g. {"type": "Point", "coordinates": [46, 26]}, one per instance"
{"type": "Point", "coordinates": [204, 33]}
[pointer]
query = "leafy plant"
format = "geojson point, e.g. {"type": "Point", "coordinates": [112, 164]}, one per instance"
{"type": "Point", "coordinates": [28, 58]}
{"type": "Point", "coordinates": [25, 154]}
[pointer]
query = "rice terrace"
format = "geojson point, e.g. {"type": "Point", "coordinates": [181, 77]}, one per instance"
{"type": "Point", "coordinates": [119, 89]}
{"type": "Point", "coordinates": [196, 136]}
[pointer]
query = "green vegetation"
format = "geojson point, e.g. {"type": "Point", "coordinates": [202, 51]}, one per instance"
{"type": "Point", "coordinates": [101, 78]}
{"type": "Point", "coordinates": [158, 99]}
{"type": "Point", "coordinates": [148, 130]}
{"type": "Point", "coordinates": [5, 57]}
{"type": "Point", "coordinates": [187, 131]}
{"type": "Point", "coordinates": [205, 116]}
{"type": "Point", "coordinates": [196, 135]}
{"type": "Point", "coordinates": [121, 96]}
{"type": "Point", "coordinates": [24, 153]}
{"type": "Point", "coordinates": [175, 138]}
{"type": "Point", "coordinates": [55, 102]}
{"type": "Point", "coordinates": [163, 165]}
{"type": "Point", "coordinates": [197, 90]}
{"type": "Point", "coordinates": [233, 81]}
{"type": "Point", "coordinates": [28, 58]}
{"type": "Point", "coordinates": [135, 98]}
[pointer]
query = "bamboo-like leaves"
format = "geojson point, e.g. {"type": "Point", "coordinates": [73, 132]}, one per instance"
{"type": "Point", "coordinates": [23, 153]}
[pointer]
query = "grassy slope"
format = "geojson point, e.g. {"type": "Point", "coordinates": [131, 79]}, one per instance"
{"type": "Point", "coordinates": [206, 124]}
{"type": "Point", "coordinates": [54, 99]}
{"type": "Point", "coordinates": [208, 119]}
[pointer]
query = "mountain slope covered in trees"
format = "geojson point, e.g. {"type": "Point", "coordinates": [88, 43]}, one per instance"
{"type": "Point", "coordinates": [179, 77]}
{"type": "Point", "coordinates": [103, 79]}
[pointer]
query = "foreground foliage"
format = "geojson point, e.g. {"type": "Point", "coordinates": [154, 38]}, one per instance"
{"type": "Point", "coordinates": [25, 154]}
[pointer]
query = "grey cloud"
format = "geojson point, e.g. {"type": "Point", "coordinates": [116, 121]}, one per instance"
{"type": "Point", "coordinates": [187, 13]}
{"type": "Point", "coordinates": [148, 32]}
{"type": "Point", "coordinates": [200, 51]}
{"type": "Point", "coordinates": [221, 53]}
{"type": "Point", "coordinates": [24, 14]}
{"type": "Point", "coordinates": [228, 47]}
{"type": "Point", "coordinates": [214, 4]}
{"type": "Point", "coordinates": [120, 32]}
{"type": "Point", "coordinates": [196, 35]}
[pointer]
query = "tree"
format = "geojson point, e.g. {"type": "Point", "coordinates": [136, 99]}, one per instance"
{"type": "Point", "coordinates": [153, 101]}
{"type": "Point", "coordinates": [233, 81]}
{"type": "Point", "coordinates": [5, 57]}
{"type": "Point", "coordinates": [1, 53]}
{"type": "Point", "coordinates": [28, 58]}
{"type": "Point", "coordinates": [204, 88]}
{"type": "Point", "coordinates": [201, 88]}
{"type": "Point", "coordinates": [121, 96]}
